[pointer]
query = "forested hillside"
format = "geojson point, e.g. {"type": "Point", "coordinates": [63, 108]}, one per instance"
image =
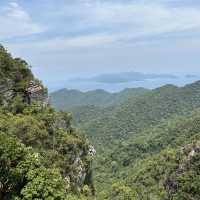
{"type": "Point", "coordinates": [154, 149]}
{"type": "Point", "coordinates": [140, 144]}
{"type": "Point", "coordinates": [116, 123]}
{"type": "Point", "coordinates": [41, 155]}
{"type": "Point", "coordinates": [68, 99]}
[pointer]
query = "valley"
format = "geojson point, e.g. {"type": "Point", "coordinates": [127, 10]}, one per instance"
{"type": "Point", "coordinates": [130, 133]}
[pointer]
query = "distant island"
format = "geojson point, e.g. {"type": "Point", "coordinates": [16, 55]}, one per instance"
{"type": "Point", "coordinates": [190, 76]}
{"type": "Point", "coordinates": [124, 77]}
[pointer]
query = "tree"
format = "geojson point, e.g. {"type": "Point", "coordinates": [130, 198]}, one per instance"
{"type": "Point", "coordinates": [44, 184]}
{"type": "Point", "coordinates": [15, 161]}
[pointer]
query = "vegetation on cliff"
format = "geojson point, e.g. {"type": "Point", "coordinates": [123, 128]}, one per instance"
{"type": "Point", "coordinates": [41, 155]}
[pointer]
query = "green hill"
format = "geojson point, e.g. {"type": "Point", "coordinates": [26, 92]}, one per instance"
{"type": "Point", "coordinates": [67, 99]}
{"type": "Point", "coordinates": [138, 129]}
{"type": "Point", "coordinates": [171, 174]}
{"type": "Point", "coordinates": [130, 156]}
{"type": "Point", "coordinates": [134, 115]}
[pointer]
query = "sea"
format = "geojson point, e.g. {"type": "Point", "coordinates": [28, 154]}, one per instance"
{"type": "Point", "coordinates": [116, 87]}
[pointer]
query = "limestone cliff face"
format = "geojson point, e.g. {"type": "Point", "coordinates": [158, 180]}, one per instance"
{"type": "Point", "coordinates": [16, 79]}
{"type": "Point", "coordinates": [6, 91]}
{"type": "Point", "coordinates": [32, 93]}
{"type": "Point", "coordinates": [188, 162]}
{"type": "Point", "coordinates": [79, 158]}
{"type": "Point", "coordinates": [35, 92]}
{"type": "Point", "coordinates": [82, 169]}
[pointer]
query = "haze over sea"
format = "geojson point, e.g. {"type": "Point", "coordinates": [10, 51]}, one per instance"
{"type": "Point", "coordinates": [115, 87]}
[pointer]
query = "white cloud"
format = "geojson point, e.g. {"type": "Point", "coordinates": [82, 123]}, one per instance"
{"type": "Point", "coordinates": [75, 30]}
{"type": "Point", "coordinates": [106, 21]}
{"type": "Point", "coordinates": [59, 44]}
{"type": "Point", "coordinates": [16, 22]}
{"type": "Point", "coordinates": [138, 19]}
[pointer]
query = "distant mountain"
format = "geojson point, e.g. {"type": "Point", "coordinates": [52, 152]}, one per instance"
{"type": "Point", "coordinates": [146, 110]}
{"type": "Point", "coordinates": [66, 99]}
{"type": "Point", "coordinates": [121, 114]}
{"type": "Point", "coordinates": [190, 76]}
{"type": "Point", "coordinates": [128, 114]}
{"type": "Point", "coordinates": [126, 77]}
{"type": "Point", "coordinates": [138, 128]}
{"type": "Point", "coordinates": [148, 145]}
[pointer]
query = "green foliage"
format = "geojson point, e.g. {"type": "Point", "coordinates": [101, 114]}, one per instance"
{"type": "Point", "coordinates": [122, 192]}
{"type": "Point", "coordinates": [172, 174]}
{"type": "Point", "coordinates": [71, 99]}
{"type": "Point", "coordinates": [41, 155]}
{"type": "Point", "coordinates": [17, 105]}
{"type": "Point", "coordinates": [134, 115]}
{"type": "Point", "coordinates": [47, 132]}
{"type": "Point", "coordinates": [126, 159]}
{"type": "Point", "coordinates": [44, 184]}
{"type": "Point", "coordinates": [137, 129]}
{"type": "Point", "coordinates": [15, 162]}
{"type": "Point", "coordinates": [15, 70]}
{"type": "Point", "coordinates": [31, 131]}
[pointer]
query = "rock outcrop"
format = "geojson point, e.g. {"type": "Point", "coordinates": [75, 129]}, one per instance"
{"type": "Point", "coordinates": [6, 92]}
{"type": "Point", "coordinates": [82, 169]}
{"type": "Point", "coordinates": [188, 159]}
{"type": "Point", "coordinates": [35, 92]}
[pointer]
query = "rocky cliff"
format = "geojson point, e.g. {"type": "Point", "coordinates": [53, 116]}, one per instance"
{"type": "Point", "coordinates": [26, 116]}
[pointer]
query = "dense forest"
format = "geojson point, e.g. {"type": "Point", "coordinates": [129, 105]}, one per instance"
{"type": "Point", "coordinates": [142, 144]}
{"type": "Point", "coordinates": [137, 133]}
{"type": "Point", "coordinates": [65, 99]}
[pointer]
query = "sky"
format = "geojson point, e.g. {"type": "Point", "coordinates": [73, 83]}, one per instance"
{"type": "Point", "coordinates": [62, 39]}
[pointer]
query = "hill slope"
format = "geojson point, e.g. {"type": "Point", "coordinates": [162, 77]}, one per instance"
{"type": "Point", "coordinates": [134, 138]}
{"type": "Point", "coordinates": [41, 155]}
{"type": "Point", "coordinates": [145, 163]}
{"type": "Point", "coordinates": [67, 99]}
{"type": "Point", "coordinates": [136, 114]}
{"type": "Point", "coordinates": [137, 129]}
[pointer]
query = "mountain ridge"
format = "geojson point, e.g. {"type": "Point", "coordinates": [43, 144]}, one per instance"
{"type": "Point", "coordinates": [66, 98]}
{"type": "Point", "coordinates": [125, 77]}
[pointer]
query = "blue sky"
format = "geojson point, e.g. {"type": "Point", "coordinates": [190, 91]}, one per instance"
{"type": "Point", "coordinates": [69, 38]}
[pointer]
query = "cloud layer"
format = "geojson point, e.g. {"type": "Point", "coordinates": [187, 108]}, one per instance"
{"type": "Point", "coordinates": [16, 22]}
{"type": "Point", "coordinates": [102, 35]}
{"type": "Point", "coordinates": [88, 23]}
